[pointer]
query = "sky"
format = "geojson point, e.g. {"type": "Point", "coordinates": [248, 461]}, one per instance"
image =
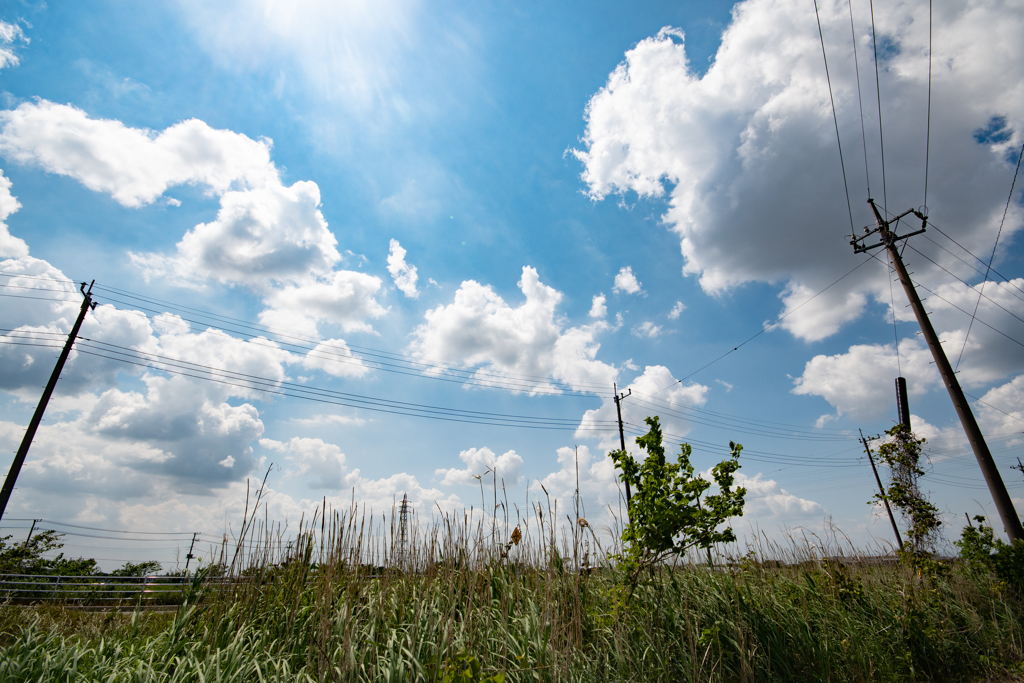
{"type": "Point", "coordinates": [390, 249]}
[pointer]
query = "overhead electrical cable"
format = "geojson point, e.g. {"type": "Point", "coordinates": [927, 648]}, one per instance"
{"type": "Point", "coordinates": [274, 386]}
{"type": "Point", "coordinates": [994, 329]}
{"type": "Point", "coordinates": [93, 528]}
{"type": "Point", "coordinates": [1006, 279]}
{"type": "Point", "coordinates": [991, 258]}
{"type": "Point", "coordinates": [748, 453]}
{"type": "Point", "coordinates": [8, 273]}
{"type": "Point", "coordinates": [474, 378]}
{"type": "Point", "coordinates": [928, 127]}
{"type": "Point", "coordinates": [37, 289]}
{"type": "Point", "coordinates": [38, 298]}
{"type": "Point", "coordinates": [765, 328]}
{"type": "Point", "coordinates": [860, 101]}
{"type": "Point", "coordinates": [917, 284]}
{"type": "Point", "coordinates": [308, 343]}
{"type": "Point", "coordinates": [835, 120]}
{"type": "Point", "coordinates": [878, 92]}
{"type": "Point", "coordinates": [427, 363]}
{"type": "Point", "coordinates": [1012, 289]}
{"type": "Point", "coordinates": [994, 408]}
{"type": "Point", "coordinates": [769, 432]}
{"type": "Point", "coordinates": [964, 283]}
{"type": "Point", "coordinates": [759, 423]}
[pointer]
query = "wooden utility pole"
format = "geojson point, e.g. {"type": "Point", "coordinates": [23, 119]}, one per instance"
{"type": "Point", "coordinates": [37, 417]}
{"type": "Point", "coordinates": [881, 490]}
{"type": "Point", "coordinates": [889, 239]}
{"type": "Point", "coordinates": [902, 405]}
{"type": "Point", "coordinates": [31, 531]}
{"type": "Point", "coordinates": [622, 437]}
{"type": "Point", "coordinates": [189, 556]}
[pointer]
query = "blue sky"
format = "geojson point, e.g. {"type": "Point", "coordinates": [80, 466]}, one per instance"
{"type": "Point", "coordinates": [553, 197]}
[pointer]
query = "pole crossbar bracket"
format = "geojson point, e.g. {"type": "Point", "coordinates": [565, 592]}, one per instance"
{"type": "Point", "coordinates": [887, 233]}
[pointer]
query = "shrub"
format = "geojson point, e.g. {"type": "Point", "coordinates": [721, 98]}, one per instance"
{"type": "Point", "coordinates": [980, 547]}
{"type": "Point", "coordinates": [669, 512]}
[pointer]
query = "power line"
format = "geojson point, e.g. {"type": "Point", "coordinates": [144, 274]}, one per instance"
{"type": "Point", "coordinates": [255, 382]}
{"type": "Point", "coordinates": [769, 432]}
{"type": "Point", "coordinates": [37, 298]}
{"type": "Point", "coordinates": [1016, 293]}
{"type": "Point", "coordinates": [475, 375]}
{"type": "Point", "coordinates": [760, 423]}
{"type": "Point", "coordinates": [764, 328]}
{"type": "Point", "coordinates": [994, 408]}
{"type": "Point", "coordinates": [1007, 280]}
{"type": "Point", "coordinates": [370, 351]}
{"type": "Point", "coordinates": [990, 299]}
{"type": "Point", "coordinates": [177, 366]}
{"type": "Point", "coordinates": [940, 297]}
{"type": "Point", "coordinates": [93, 528]}
{"type": "Point", "coordinates": [928, 129]}
{"type": "Point", "coordinates": [860, 101]}
{"type": "Point", "coordinates": [878, 91]}
{"type": "Point", "coordinates": [835, 120]}
{"type": "Point", "coordinates": [991, 258]}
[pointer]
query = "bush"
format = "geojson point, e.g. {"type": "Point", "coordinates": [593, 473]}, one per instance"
{"type": "Point", "coordinates": [980, 547]}
{"type": "Point", "coordinates": [669, 513]}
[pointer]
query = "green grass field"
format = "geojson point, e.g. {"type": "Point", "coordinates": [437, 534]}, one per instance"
{"type": "Point", "coordinates": [458, 606]}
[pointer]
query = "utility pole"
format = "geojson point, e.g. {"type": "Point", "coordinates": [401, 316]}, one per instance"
{"type": "Point", "coordinates": [403, 527]}
{"type": "Point", "coordinates": [190, 556]}
{"type": "Point", "coordinates": [31, 531]}
{"type": "Point", "coordinates": [902, 405]}
{"type": "Point", "coordinates": [889, 239]}
{"type": "Point", "coordinates": [33, 425]}
{"type": "Point", "coordinates": [881, 490]}
{"type": "Point", "coordinates": [622, 436]}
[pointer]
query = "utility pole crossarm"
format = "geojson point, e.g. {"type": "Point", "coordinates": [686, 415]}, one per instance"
{"type": "Point", "coordinates": [1001, 497]}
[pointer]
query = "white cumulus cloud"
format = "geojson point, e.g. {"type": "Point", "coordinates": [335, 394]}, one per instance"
{"type": "Point", "coordinates": [135, 166]}
{"type": "Point", "coordinates": [598, 308]}
{"type": "Point", "coordinates": [402, 273]}
{"type": "Point", "coordinates": [481, 463]}
{"type": "Point", "coordinates": [267, 236]}
{"type": "Point", "coordinates": [861, 382]}
{"type": "Point", "coordinates": [335, 358]}
{"type": "Point", "coordinates": [647, 329]}
{"type": "Point", "coordinates": [625, 281]}
{"type": "Point", "coordinates": [523, 345]}
{"type": "Point", "coordinates": [10, 246]}
{"type": "Point", "coordinates": [767, 501]}
{"type": "Point", "coordinates": [9, 35]}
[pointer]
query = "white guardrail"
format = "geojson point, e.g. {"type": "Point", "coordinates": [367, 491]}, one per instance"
{"type": "Point", "coordinates": [95, 590]}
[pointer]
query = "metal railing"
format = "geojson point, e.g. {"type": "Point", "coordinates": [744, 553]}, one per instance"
{"type": "Point", "coordinates": [94, 590]}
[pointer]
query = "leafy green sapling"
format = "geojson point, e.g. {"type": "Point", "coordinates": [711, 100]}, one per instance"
{"type": "Point", "coordinates": [669, 512]}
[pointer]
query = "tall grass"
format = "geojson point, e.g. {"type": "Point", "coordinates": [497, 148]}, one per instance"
{"type": "Point", "coordinates": [357, 598]}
